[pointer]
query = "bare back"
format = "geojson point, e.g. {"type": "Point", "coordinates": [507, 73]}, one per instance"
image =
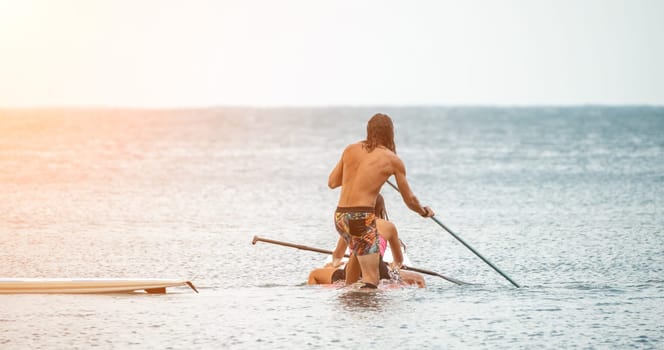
{"type": "Point", "coordinates": [364, 173]}
{"type": "Point", "coordinates": [361, 174]}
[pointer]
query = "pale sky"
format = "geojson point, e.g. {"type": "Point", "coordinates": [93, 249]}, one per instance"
{"type": "Point", "coordinates": [148, 53]}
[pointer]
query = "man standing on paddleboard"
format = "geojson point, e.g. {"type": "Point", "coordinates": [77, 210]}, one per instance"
{"type": "Point", "coordinates": [361, 172]}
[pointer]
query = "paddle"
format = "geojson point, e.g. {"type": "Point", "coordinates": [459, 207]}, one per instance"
{"type": "Point", "coordinates": [464, 243]}
{"type": "Point", "coordinates": [318, 250]}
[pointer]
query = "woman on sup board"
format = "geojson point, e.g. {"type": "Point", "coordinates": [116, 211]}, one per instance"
{"type": "Point", "coordinates": [387, 231]}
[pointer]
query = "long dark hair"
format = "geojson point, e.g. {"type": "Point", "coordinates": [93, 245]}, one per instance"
{"type": "Point", "coordinates": [379, 208]}
{"type": "Point", "coordinates": [381, 212]}
{"type": "Point", "coordinates": [380, 131]}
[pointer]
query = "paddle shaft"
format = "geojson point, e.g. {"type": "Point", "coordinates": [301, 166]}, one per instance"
{"type": "Point", "coordinates": [292, 245]}
{"type": "Point", "coordinates": [464, 243]}
{"type": "Point", "coordinates": [318, 250]}
{"type": "Point", "coordinates": [427, 272]}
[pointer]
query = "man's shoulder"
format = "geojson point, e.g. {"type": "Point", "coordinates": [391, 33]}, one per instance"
{"type": "Point", "coordinates": [353, 147]}
{"type": "Point", "coordinates": [389, 154]}
{"type": "Point", "coordinates": [394, 160]}
{"type": "Point", "coordinates": [358, 144]}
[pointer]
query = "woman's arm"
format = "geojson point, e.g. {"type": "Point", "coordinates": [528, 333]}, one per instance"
{"type": "Point", "coordinates": [389, 232]}
{"type": "Point", "coordinates": [339, 252]}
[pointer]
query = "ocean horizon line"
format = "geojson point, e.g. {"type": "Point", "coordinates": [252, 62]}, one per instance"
{"type": "Point", "coordinates": [83, 107]}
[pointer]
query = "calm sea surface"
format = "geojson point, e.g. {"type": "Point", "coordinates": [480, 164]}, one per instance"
{"type": "Point", "coordinates": [569, 202]}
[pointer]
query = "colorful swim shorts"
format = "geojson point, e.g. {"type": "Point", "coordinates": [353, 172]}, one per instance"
{"type": "Point", "coordinates": [357, 225]}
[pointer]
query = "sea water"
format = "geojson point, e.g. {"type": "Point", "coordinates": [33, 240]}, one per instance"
{"type": "Point", "coordinates": [567, 201]}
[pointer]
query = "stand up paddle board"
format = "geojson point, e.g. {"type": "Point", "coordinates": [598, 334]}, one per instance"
{"type": "Point", "coordinates": [87, 285]}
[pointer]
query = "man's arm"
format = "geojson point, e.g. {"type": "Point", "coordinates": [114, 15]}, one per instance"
{"type": "Point", "coordinates": [406, 193]}
{"type": "Point", "coordinates": [336, 176]}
